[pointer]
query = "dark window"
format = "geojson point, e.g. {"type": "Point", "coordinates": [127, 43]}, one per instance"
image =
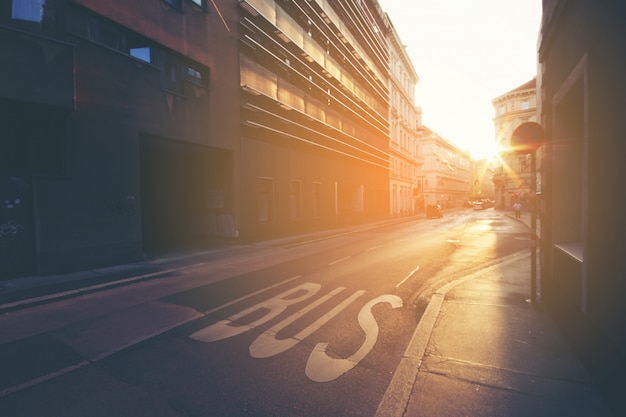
{"type": "Point", "coordinates": [294, 200]}
{"type": "Point", "coordinates": [109, 34]}
{"type": "Point", "coordinates": [175, 68]}
{"type": "Point", "coordinates": [171, 75]}
{"type": "Point", "coordinates": [266, 200]}
{"type": "Point", "coordinates": [317, 199]}
{"type": "Point", "coordinates": [177, 4]}
{"type": "Point", "coordinates": [195, 74]}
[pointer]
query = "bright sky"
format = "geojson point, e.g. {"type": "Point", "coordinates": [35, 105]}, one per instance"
{"type": "Point", "coordinates": [466, 53]}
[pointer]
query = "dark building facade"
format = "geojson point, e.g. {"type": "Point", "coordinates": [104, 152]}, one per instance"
{"type": "Point", "coordinates": [582, 62]}
{"type": "Point", "coordinates": [132, 127]}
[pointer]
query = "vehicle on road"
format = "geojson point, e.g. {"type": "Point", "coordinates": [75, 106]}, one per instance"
{"type": "Point", "coordinates": [433, 211]}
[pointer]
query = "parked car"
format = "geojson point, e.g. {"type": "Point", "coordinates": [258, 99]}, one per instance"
{"type": "Point", "coordinates": [433, 211]}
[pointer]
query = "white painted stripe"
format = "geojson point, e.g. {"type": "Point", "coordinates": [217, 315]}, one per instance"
{"type": "Point", "coordinates": [339, 260]}
{"type": "Point", "coordinates": [407, 277]}
{"type": "Point", "coordinates": [267, 344]}
{"type": "Point", "coordinates": [43, 378]}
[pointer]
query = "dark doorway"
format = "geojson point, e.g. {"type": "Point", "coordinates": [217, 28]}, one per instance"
{"type": "Point", "coordinates": [185, 191]}
{"type": "Point", "coordinates": [17, 247]}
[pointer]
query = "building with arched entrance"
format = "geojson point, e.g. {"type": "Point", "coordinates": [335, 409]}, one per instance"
{"type": "Point", "coordinates": [512, 174]}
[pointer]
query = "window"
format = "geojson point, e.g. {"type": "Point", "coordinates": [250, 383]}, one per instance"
{"type": "Point", "coordinates": [141, 53]}
{"type": "Point", "coordinates": [266, 200]}
{"type": "Point", "coordinates": [138, 47]}
{"type": "Point", "coordinates": [317, 199]}
{"type": "Point", "coordinates": [525, 105]}
{"type": "Point", "coordinates": [171, 77]}
{"type": "Point", "coordinates": [177, 69]}
{"type": "Point", "coordinates": [177, 4]}
{"type": "Point", "coordinates": [201, 3]}
{"type": "Point", "coordinates": [31, 10]}
{"type": "Point", "coordinates": [109, 34]}
{"type": "Point", "coordinates": [195, 75]}
{"type": "Point", "coordinates": [524, 165]}
{"type": "Point", "coordinates": [294, 200]}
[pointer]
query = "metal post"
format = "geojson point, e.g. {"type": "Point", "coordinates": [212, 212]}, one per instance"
{"type": "Point", "coordinates": [533, 229]}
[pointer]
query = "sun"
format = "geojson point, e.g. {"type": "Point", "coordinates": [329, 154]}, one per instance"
{"type": "Point", "coordinates": [486, 150]}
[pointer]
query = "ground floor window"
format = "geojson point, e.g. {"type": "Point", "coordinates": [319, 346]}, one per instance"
{"type": "Point", "coordinates": [266, 200]}
{"type": "Point", "coordinates": [317, 199]}
{"type": "Point", "coordinates": [294, 199]}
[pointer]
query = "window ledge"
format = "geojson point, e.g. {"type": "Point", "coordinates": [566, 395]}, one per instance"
{"type": "Point", "coordinates": [572, 249]}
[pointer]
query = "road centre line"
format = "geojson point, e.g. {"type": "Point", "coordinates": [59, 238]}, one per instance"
{"type": "Point", "coordinates": [340, 260]}
{"type": "Point", "coordinates": [407, 277]}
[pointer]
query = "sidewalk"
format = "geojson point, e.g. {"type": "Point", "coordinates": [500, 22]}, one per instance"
{"type": "Point", "coordinates": [482, 349]}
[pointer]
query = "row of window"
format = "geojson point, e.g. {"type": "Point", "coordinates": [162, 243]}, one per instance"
{"type": "Point", "coordinates": [178, 4]}
{"type": "Point", "coordinates": [523, 105]}
{"type": "Point", "coordinates": [267, 203]}
{"type": "Point", "coordinates": [176, 69]}
{"type": "Point", "coordinates": [33, 10]}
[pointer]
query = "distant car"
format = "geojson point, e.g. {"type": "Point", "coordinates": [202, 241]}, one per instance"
{"type": "Point", "coordinates": [433, 211]}
{"type": "Point", "coordinates": [479, 205]}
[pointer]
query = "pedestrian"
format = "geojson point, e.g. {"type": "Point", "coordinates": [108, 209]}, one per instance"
{"type": "Point", "coordinates": [518, 209]}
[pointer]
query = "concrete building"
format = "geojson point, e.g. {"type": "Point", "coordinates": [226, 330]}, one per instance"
{"type": "Point", "coordinates": [446, 174]}
{"type": "Point", "coordinates": [134, 127]}
{"type": "Point", "coordinates": [405, 120]}
{"type": "Point", "coordinates": [512, 177]}
{"type": "Point", "coordinates": [582, 62]}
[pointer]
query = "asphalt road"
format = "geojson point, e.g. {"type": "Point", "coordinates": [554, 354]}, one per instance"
{"type": "Point", "coordinates": [309, 329]}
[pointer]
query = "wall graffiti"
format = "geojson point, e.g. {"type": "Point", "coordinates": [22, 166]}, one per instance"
{"type": "Point", "coordinates": [10, 228]}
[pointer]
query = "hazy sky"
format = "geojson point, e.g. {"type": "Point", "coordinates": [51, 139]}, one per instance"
{"type": "Point", "coordinates": [466, 53]}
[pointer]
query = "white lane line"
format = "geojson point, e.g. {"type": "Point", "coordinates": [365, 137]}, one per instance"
{"type": "Point", "coordinates": [407, 277]}
{"type": "Point", "coordinates": [43, 378]}
{"type": "Point", "coordinates": [373, 247]}
{"type": "Point", "coordinates": [339, 260]}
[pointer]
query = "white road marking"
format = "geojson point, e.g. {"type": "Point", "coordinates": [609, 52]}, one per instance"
{"type": "Point", "coordinates": [322, 368]}
{"type": "Point", "coordinates": [407, 277]}
{"type": "Point", "coordinates": [267, 344]}
{"type": "Point", "coordinates": [272, 307]}
{"type": "Point", "coordinates": [339, 260]}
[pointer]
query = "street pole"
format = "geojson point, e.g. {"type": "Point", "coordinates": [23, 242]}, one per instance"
{"type": "Point", "coordinates": [527, 138]}
{"type": "Point", "coordinates": [533, 229]}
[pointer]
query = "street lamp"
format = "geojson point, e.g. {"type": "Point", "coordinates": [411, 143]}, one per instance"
{"type": "Point", "coordinates": [526, 139]}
